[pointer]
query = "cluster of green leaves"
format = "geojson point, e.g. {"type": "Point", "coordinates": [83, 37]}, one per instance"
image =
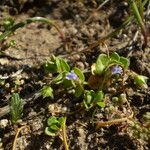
{"type": "Point", "coordinates": [54, 125]}
{"type": "Point", "coordinates": [104, 62]}
{"type": "Point", "coordinates": [60, 67]}
{"type": "Point", "coordinates": [92, 98]}
{"type": "Point", "coordinates": [16, 107]}
{"type": "Point", "coordinates": [102, 68]}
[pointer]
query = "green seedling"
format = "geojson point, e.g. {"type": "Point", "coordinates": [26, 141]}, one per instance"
{"type": "Point", "coordinates": [56, 126]}
{"type": "Point", "coordinates": [56, 65]}
{"type": "Point", "coordinates": [140, 80]}
{"type": "Point", "coordinates": [105, 68]}
{"type": "Point", "coordinates": [16, 107]}
{"type": "Point", "coordinates": [104, 63]}
{"type": "Point", "coordinates": [47, 91]}
{"type": "Point", "coordinates": [92, 98]}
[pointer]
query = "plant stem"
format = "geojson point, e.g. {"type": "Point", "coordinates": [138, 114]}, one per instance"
{"type": "Point", "coordinates": [28, 21]}
{"type": "Point", "coordinates": [113, 122]}
{"type": "Point", "coordinates": [64, 134]}
{"type": "Point", "coordinates": [138, 14]}
{"type": "Point", "coordinates": [15, 140]}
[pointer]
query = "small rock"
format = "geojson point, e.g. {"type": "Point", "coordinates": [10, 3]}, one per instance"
{"type": "Point", "coordinates": [80, 65]}
{"type": "Point", "coordinates": [3, 123]}
{"type": "Point", "coordinates": [75, 57]}
{"type": "Point", "coordinates": [130, 92]}
{"type": "Point", "coordinates": [4, 61]}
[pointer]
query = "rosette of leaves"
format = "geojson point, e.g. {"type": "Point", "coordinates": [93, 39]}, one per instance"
{"type": "Point", "coordinates": [54, 125]}
{"type": "Point", "coordinates": [106, 67]}
{"type": "Point", "coordinates": [104, 61]}
{"type": "Point", "coordinates": [92, 98]}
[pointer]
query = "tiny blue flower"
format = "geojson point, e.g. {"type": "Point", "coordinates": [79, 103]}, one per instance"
{"type": "Point", "coordinates": [116, 70]}
{"type": "Point", "coordinates": [71, 76]}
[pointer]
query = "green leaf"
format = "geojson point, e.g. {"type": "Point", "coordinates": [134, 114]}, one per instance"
{"type": "Point", "coordinates": [101, 63]}
{"type": "Point", "coordinates": [104, 59]}
{"type": "Point", "coordinates": [88, 98]}
{"type": "Point", "coordinates": [68, 83]}
{"type": "Point", "coordinates": [50, 132]}
{"type": "Point", "coordinates": [62, 120]}
{"type": "Point", "coordinates": [50, 65]}
{"type": "Point", "coordinates": [115, 56]}
{"type": "Point", "coordinates": [64, 65]}
{"type": "Point", "coordinates": [58, 65]}
{"type": "Point", "coordinates": [16, 107]}
{"type": "Point", "coordinates": [78, 90]}
{"type": "Point", "coordinates": [79, 73]}
{"type": "Point", "coordinates": [52, 120]}
{"type": "Point", "coordinates": [101, 104]}
{"type": "Point", "coordinates": [99, 96]}
{"type": "Point", "coordinates": [140, 80]}
{"type": "Point", "coordinates": [59, 78]}
{"type": "Point", "coordinates": [47, 91]}
{"type": "Point", "coordinates": [99, 67]}
{"type": "Point", "coordinates": [125, 62]}
{"type": "Point", "coordinates": [54, 125]}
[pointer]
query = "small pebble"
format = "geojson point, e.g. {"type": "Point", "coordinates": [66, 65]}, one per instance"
{"type": "Point", "coordinates": [80, 65]}
{"type": "Point", "coordinates": [75, 57]}
{"type": "Point", "coordinates": [3, 123]}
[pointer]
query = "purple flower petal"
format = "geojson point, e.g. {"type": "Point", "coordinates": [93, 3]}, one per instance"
{"type": "Point", "coordinates": [71, 76]}
{"type": "Point", "coordinates": [116, 70]}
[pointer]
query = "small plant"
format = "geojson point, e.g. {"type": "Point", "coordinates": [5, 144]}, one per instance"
{"type": "Point", "coordinates": [16, 107]}
{"type": "Point", "coordinates": [92, 98]}
{"type": "Point", "coordinates": [105, 68]}
{"type": "Point", "coordinates": [108, 71]}
{"type": "Point", "coordinates": [140, 80]}
{"type": "Point", "coordinates": [55, 126]}
{"type": "Point", "coordinates": [47, 91]}
{"type": "Point", "coordinates": [71, 79]}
